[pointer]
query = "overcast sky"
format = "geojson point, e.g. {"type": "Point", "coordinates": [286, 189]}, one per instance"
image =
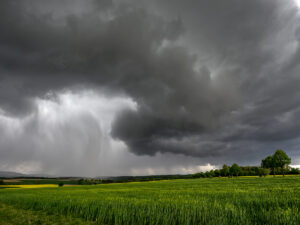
{"type": "Point", "coordinates": [136, 87]}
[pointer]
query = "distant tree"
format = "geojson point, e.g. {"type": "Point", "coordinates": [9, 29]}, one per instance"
{"type": "Point", "coordinates": [217, 173]}
{"type": "Point", "coordinates": [80, 181]}
{"type": "Point", "coordinates": [294, 171]}
{"type": "Point", "coordinates": [209, 174]}
{"type": "Point", "coordinates": [1, 182]}
{"type": "Point", "coordinates": [196, 175]}
{"type": "Point", "coordinates": [281, 160]}
{"type": "Point", "coordinates": [60, 184]}
{"type": "Point", "coordinates": [269, 164]}
{"type": "Point", "coordinates": [212, 173]}
{"type": "Point", "coordinates": [262, 172]}
{"type": "Point", "coordinates": [249, 170]}
{"type": "Point", "coordinates": [202, 175]}
{"type": "Point", "coordinates": [225, 170]}
{"type": "Point", "coordinates": [235, 170]}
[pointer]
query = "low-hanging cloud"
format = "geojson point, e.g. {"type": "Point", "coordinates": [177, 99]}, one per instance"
{"type": "Point", "coordinates": [207, 77]}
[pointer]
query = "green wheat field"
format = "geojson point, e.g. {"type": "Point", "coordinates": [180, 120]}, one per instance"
{"type": "Point", "coordinates": [244, 200]}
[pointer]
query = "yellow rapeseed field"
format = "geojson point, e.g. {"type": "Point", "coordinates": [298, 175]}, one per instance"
{"type": "Point", "coordinates": [30, 186]}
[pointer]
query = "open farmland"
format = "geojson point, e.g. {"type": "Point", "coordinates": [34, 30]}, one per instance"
{"type": "Point", "coordinates": [39, 181]}
{"type": "Point", "coordinates": [271, 200]}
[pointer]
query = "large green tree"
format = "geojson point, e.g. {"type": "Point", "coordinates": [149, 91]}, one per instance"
{"type": "Point", "coordinates": [225, 170]}
{"type": "Point", "coordinates": [278, 160]}
{"type": "Point", "coordinates": [235, 170]}
{"type": "Point", "coordinates": [269, 164]}
{"type": "Point", "coordinates": [281, 160]}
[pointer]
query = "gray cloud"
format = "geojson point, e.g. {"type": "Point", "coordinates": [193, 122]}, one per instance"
{"type": "Point", "coordinates": [208, 77]}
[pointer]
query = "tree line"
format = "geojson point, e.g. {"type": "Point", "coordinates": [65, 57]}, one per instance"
{"type": "Point", "coordinates": [278, 163]}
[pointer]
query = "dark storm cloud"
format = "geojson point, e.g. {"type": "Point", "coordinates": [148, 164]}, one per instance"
{"type": "Point", "coordinates": [256, 42]}
{"type": "Point", "coordinates": [208, 76]}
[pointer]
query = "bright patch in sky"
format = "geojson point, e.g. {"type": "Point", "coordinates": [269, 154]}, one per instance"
{"type": "Point", "coordinates": [297, 2]}
{"type": "Point", "coordinates": [68, 134]}
{"type": "Point", "coordinates": [64, 130]}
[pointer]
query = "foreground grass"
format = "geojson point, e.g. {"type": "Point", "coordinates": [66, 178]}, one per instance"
{"type": "Point", "coordinates": [15, 216]}
{"type": "Point", "coordinates": [274, 200]}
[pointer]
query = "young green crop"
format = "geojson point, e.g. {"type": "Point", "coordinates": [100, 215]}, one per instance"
{"type": "Point", "coordinates": [199, 201]}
